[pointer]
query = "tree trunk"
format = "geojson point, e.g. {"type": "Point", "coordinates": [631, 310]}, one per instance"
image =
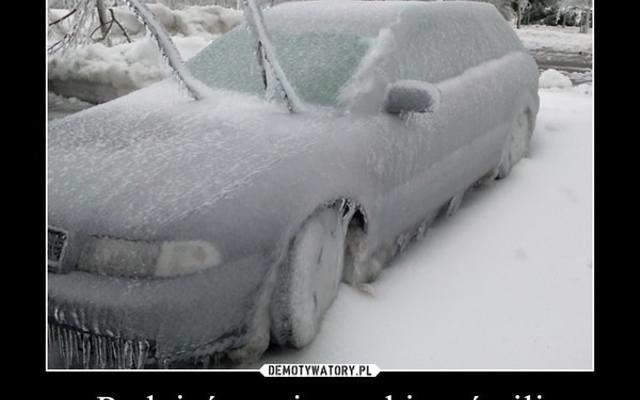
{"type": "Point", "coordinates": [102, 17]}
{"type": "Point", "coordinates": [584, 24]}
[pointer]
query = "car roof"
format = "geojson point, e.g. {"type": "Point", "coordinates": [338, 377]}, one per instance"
{"type": "Point", "coordinates": [364, 18]}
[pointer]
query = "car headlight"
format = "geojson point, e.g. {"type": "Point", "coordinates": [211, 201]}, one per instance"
{"type": "Point", "coordinates": [137, 258]}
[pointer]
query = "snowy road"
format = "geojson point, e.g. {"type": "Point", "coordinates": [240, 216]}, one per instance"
{"type": "Point", "coordinates": [559, 48]}
{"type": "Point", "coordinates": [570, 62]}
{"type": "Point", "coordinates": [504, 284]}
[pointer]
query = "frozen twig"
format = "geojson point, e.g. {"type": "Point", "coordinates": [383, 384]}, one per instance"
{"type": "Point", "coordinates": [63, 18]}
{"type": "Point", "coordinates": [124, 31]}
{"type": "Point", "coordinates": [109, 26]}
{"type": "Point", "coordinates": [53, 46]}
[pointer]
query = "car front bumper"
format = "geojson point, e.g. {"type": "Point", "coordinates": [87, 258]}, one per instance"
{"type": "Point", "coordinates": [110, 322]}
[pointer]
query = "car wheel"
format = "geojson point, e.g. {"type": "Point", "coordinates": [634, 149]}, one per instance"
{"type": "Point", "coordinates": [516, 145]}
{"type": "Point", "coordinates": [309, 280]}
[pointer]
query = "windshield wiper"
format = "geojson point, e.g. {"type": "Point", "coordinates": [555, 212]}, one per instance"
{"type": "Point", "coordinates": [273, 76]}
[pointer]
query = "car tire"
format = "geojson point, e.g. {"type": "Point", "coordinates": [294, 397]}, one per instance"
{"type": "Point", "coordinates": [308, 281]}
{"type": "Point", "coordinates": [516, 146]}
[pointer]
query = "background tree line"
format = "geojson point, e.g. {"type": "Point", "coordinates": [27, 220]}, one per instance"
{"type": "Point", "coordinates": [540, 12]}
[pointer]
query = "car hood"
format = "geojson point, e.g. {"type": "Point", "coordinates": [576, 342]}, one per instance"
{"type": "Point", "coordinates": [134, 166]}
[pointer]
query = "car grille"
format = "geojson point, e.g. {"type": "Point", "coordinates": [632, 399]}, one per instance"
{"type": "Point", "coordinates": [56, 243]}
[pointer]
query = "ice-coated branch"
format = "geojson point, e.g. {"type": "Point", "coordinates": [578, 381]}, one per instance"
{"type": "Point", "coordinates": [82, 13]}
{"type": "Point", "coordinates": [268, 58]}
{"type": "Point", "coordinates": [63, 18]}
{"type": "Point", "coordinates": [168, 50]}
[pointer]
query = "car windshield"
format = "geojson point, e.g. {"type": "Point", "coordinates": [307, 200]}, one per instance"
{"type": "Point", "coordinates": [317, 64]}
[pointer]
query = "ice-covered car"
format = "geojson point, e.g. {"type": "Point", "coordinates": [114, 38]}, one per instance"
{"type": "Point", "coordinates": [186, 230]}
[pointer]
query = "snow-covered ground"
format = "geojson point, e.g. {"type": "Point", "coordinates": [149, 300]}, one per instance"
{"type": "Point", "coordinates": [506, 283]}
{"type": "Point", "coordinates": [552, 78]}
{"type": "Point", "coordinates": [59, 106]}
{"type": "Point", "coordinates": [557, 38]}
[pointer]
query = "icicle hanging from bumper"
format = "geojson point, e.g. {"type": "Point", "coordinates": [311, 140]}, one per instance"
{"type": "Point", "coordinates": [79, 349]}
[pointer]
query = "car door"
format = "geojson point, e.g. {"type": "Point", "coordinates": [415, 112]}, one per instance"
{"type": "Point", "coordinates": [435, 155]}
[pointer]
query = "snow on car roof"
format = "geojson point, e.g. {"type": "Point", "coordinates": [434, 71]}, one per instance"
{"type": "Point", "coordinates": [364, 18]}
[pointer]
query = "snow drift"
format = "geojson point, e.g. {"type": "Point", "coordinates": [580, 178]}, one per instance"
{"type": "Point", "coordinates": [552, 78]}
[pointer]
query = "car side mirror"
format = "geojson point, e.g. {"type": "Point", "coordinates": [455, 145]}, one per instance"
{"type": "Point", "coordinates": [411, 96]}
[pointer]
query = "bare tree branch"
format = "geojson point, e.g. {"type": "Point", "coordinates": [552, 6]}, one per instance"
{"type": "Point", "coordinates": [106, 27]}
{"type": "Point", "coordinates": [50, 49]}
{"type": "Point", "coordinates": [63, 18]}
{"type": "Point", "coordinates": [124, 31]}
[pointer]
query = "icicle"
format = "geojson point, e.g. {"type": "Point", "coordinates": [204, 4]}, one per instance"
{"type": "Point", "coordinates": [217, 359]}
{"type": "Point", "coordinates": [206, 361]}
{"type": "Point", "coordinates": [86, 350]}
{"type": "Point", "coordinates": [78, 349]}
{"type": "Point", "coordinates": [119, 354]}
{"type": "Point", "coordinates": [66, 349]}
{"type": "Point", "coordinates": [142, 353]}
{"type": "Point", "coordinates": [75, 348]}
{"type": "Point", "coordinates": [102, 353]}
{"type": "Point", "coordinates": [128, 354]}
{"type": "Point", "coordinates": [115, 354]}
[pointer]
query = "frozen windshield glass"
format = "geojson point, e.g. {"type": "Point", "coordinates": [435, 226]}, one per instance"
{"type": "Point", "coordinates": [318, 64]}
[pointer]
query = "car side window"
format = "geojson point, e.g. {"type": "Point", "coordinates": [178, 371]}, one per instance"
{"type": "Point", "coordinates": [442, 44]}
{"type": "Point", "coordinates": [437, 44]}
